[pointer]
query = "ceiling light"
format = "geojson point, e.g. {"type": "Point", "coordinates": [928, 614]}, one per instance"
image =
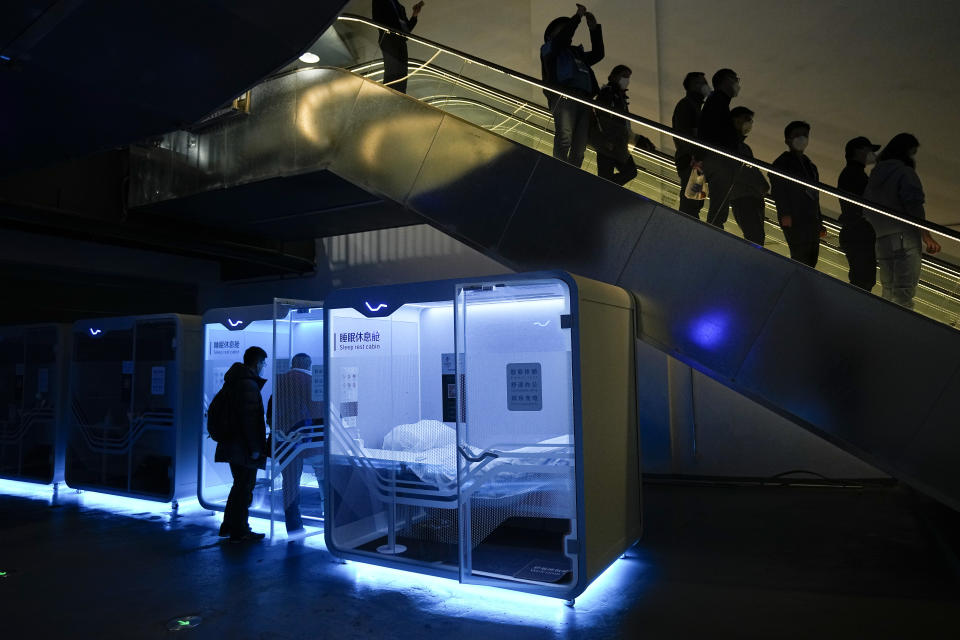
{"type": "Point", "coordinates": [310, 58]}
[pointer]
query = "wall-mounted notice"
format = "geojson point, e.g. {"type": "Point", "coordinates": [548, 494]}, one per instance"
{"type": "Point", "coordinates": [316, 391]}
{"type": "Point", "coordinates": [349, 395]}
{"type": "Point", "coordinates": [158, 381]}
{"type": "Point", "coordinates": [448, 383]}
{"type": "Point", "coordinates": [126, 367]}
{"type": "Point", "coordinates": [524, 386]}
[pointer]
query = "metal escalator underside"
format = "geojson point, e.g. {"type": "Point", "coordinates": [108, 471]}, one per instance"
{"type": "Point", "coordinates": [881, 382]}
{"type": "Point", "coordinates": [83, 76]}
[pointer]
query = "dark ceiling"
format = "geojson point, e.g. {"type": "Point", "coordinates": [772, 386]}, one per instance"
{"type": "Point", "coordinates": [82, 79]}
{"type": "Point", "coordinates": [83, 76]}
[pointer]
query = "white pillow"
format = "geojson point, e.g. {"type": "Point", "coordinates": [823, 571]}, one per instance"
{"type": "Point", "coordinates": [419, 436]}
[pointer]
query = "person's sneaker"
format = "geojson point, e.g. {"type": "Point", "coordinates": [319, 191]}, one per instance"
{"type": "Point", "coordinates": [249, 536]}
{"type": "Point", "coordinates": [224, 531]}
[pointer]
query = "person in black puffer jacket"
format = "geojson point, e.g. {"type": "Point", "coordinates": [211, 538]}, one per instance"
{"type": "Point", "coordinates": [798, 207]}
{"type": "Point", "coordinates": [610, 135]}
{"type": "Point", "coordinates": [245, 448]}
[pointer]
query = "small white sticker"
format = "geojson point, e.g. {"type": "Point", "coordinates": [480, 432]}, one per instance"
{"type": "Point", "coordinates": [158, 380]}
{"type": "Point", "coordinates": [43, 380]}
{"type": "Point", "coordinates": [316, 393]}
{"type": "Point", "coordinates": [128, 367]}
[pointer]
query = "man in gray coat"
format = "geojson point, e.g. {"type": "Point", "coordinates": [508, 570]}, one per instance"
{"type": "Point", "coordinates": [295, 408]}
{"type": "Point", "coordinates": [245, 447]}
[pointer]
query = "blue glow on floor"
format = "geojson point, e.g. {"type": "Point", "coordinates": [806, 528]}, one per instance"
{"type": "Point", "coordinates": [449, 597]}
{"type": "Point", "coordinates": [479, 602]}
{"type": "Point", "coordinates": [94, 500]}
{"type": "Point", "coordinates": [438, 595]}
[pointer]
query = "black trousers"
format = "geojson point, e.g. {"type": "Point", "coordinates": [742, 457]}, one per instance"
{"type": "Point", "coordinates": [748, 212]}
{"type": "Point", "coordinates": [720, 174]}
{"type": "Point", "coordinates": [238, 502]}
{"type": "Point", "coordinates": [804, 244]}
{"type": "Point", "coordinates": [394, 49]}
{"type": "Point", "coordinates": [858, 241]}
{"type": "Point", "coordinates": [626, 170]}
{"type": "Point", "coordinates": [687, 206]}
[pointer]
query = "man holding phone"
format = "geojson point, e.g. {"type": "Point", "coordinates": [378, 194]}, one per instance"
{"type": "Point", "coordinates": [390, 13]}
{"type": "Point", "coordinates": [567, 68]}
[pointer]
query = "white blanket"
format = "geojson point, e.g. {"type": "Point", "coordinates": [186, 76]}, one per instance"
{"type": "Point", "coordinates": [430, 448]}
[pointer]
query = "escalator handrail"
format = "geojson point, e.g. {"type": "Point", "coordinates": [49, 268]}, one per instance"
{"type": "Point", "coordinates": [663, 129]}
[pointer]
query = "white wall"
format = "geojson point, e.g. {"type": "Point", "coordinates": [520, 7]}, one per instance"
{"type": "Point", "coordinates": [874, 68]}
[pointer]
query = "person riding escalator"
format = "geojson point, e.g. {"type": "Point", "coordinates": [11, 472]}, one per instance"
{"type": "Point", "coordinates": [610, 135]}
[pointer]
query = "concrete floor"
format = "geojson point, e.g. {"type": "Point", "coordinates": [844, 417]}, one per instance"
{"type": "Point", "coordinates": [715, 562]}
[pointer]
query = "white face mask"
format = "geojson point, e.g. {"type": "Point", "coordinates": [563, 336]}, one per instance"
{"type": "Point", "coordinates": [705, 89]}
{"type": "Point", "coordinates": [624, 83]}
{"type": "Point", "coordinates": [746, 128]}
{"type": "Point", "coordinates": [871, 158]}
{"type": "Point", "coordinates": [799, 143]}
{"type": "Point", "coordinates": [735, 87]}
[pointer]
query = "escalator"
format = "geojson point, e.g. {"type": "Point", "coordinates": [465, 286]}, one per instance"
{"type": "Point", "coordinates": [467, 151]}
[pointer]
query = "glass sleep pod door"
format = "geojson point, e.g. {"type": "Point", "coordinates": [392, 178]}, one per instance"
{"type": "Point", "coordinates": [295, 413]}
{"type": "Point", "coordinates": [391, 476]}
{"type": "Point", "coordinates": [515, 435]}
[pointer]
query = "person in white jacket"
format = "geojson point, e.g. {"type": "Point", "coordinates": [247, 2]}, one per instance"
{"type": "Point", "coordinates": [894, 185]}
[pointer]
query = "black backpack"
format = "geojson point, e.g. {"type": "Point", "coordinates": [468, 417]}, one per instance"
{"type": "Point", "coordinates": [218, 415]}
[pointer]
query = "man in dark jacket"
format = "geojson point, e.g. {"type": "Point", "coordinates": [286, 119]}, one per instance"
{"type": "Point", "coordinates": [717, 130]}
{"type": "Point", "coordinates": [857, 237]}
{"type": "Point", "coordinates": [798, 207]}
{"type": "Point", "coordinates": [390, 13]}
{"type": "Point", "coordinates": [686, 120]}
{"type": "Point", "coordinates": [567, 68]}
{"type": "Point", "coordinates": [245, 448]}
{"type": "Point", "coordinates": [610, 135]}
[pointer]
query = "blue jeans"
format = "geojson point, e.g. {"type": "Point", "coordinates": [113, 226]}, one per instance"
{"type": "Point", "coordinates": [571, 123]}
{"type": "Point", "coordinates": [898, 255]}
